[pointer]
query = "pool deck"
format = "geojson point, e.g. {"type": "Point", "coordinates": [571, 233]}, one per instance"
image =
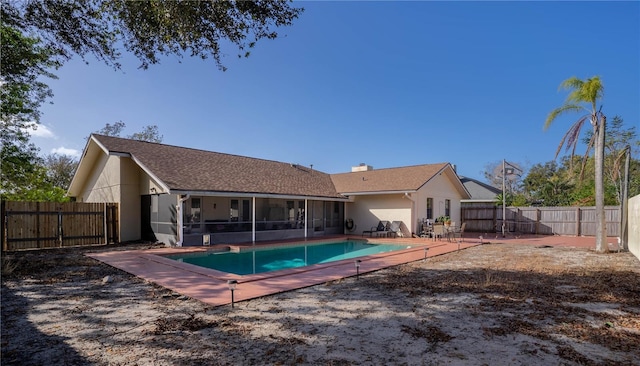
{"type": "Point", "coordinates": [210, 286]}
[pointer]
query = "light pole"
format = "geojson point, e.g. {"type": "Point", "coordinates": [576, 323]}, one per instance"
{"type": "Point", "coordinates": [232, 287]}
{"type": "Point", "coordinates": [358, 268]}
{"type": "Point", "coordinates": [511, 170]}
{"type": "Point", "coordinates": [504, 200]}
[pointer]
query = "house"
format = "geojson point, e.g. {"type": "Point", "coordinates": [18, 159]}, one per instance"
{"type": "Point", "coordinates": [409, 194]}
{"type": "Point", "coordinates": [183, 196]}
{"type": "Point", "coordinates": [480, 192]}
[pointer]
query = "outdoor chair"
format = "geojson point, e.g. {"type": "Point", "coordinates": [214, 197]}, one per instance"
{"type": "Point", "coordinates": [427, 230]}
{"type": "Point", "coordinates": [459, 232]}
{"type": "Point", "coordinates": [438, 231]}
{"type": "Point", "coordinates": [395, 230]}
{"type": "Point", "coordinates": [381, 228]}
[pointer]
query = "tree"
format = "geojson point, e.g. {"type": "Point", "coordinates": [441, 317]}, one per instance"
{"type": "Point", "coordinates": [58, 30]}
{"type": "Point", "coordinates": [22, 92]}
{"type": "Point", "coordinates": [149, 133]}
{"type": "Point", "coordinates": [149, 29]}
{"type": "Point", "coordinates": [60, 169]}
{"type": "Point", "coordinates": [548, 184]}
{"type": "Point", "coordinates": [586, 92]}
{"type": "Point", "coordinates": [493, 175]}
{"type": "Point", "coordinates": [616, 142]}
{"type": "Point", "coordinates": [112, 129]}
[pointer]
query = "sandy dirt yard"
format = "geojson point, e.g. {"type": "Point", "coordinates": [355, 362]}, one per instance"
{"type": "Point", "coordinates": [494, 304]}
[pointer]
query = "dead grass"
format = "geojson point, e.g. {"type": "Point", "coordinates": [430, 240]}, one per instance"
{"type": "Point", "coordinates": [539, 305]}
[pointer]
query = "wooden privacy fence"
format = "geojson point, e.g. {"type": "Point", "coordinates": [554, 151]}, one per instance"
{"type": "Point", "coordinates": [579, 221]}
{"type": "Point", "coordinates": [38, 225]}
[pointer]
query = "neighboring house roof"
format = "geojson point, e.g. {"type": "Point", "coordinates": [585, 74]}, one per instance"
{"type": "Point", "coordinates": [390, 180]}
{"type": "Point", "coordinates": [480, 191]}
{"type": "Point", "coordinates": [190, 170]}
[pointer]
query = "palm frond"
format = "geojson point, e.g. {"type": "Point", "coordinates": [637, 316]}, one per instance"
{"type": "Point", "coordinates": [561, 110]}
{"type": "Point", "coordinates": [589, 91]}
{"type": "Point", "coordinates": [570, 139]}
{"type": "Point", "coordinates": [571, 83]}
{"type": "Point", "coordinates": [585, 157]}
{"type": "Point", "coordinates": [617, 162]}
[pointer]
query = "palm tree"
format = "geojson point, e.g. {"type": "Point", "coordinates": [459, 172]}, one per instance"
{"type": "Point", "coordinates": [583, 98]}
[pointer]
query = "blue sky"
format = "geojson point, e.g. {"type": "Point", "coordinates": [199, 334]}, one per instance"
{"type": "Point", "coordinates": [383, 83]}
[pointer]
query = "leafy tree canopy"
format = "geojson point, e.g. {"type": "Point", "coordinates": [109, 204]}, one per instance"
{"type": "Point", "coordinates": [60, 169]}
{"type": "Point", "coordinates": [149, 29]}
{"type": "Point", "coordinates": [149, 133]}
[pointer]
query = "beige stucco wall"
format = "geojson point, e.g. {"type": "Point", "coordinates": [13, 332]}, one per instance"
{"type": "Point", "coordinates": [129, 200]}
{"type": "Point", "coordinates": [102, 184]}
{"type": "Point", "coordinates": [440, 188]}
{"type": "Point", "coordinates": [634, 226]}
{"type": "Point", "coordinates": [367, 211]}
{"type": "Point", "coordinates": [117, 179]}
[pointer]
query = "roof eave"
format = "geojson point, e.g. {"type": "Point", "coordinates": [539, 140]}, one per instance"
{"type": "Point", "coordinates": [368, 193]}
{"type": "Point", "coordinates": [256, 195]}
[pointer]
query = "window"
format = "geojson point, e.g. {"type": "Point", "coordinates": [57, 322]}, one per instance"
{"type": "Point", "coordinates": [233, 213]}
{"type": "Point", "coordinates": [430, 208]}
{"type": "Point", "coordinates": [447, 208]}
{"type": "Point", "coordinates": [291, 212]}
{"type": "Point", "coordinates": [194, 216]}
{"type": "Point", "coordinates": [246, 210]}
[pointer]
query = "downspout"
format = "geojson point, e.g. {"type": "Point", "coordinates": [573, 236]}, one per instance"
{"type": "Point", "coordinates": [181, 219]}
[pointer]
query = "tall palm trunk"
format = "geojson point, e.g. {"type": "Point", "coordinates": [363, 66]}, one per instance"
{"type": "Point", "coordinates": [601, 234]}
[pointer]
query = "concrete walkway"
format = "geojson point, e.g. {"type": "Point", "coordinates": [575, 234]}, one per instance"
{"type": "Point", "coordinates": [210, 286]}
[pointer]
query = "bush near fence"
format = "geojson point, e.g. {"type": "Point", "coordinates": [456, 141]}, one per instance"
{"type": "Point", "coordinates": [39, 225]}
{"type": "Point", "coordinates": [579, 221]}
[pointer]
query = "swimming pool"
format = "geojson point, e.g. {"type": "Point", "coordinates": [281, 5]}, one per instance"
{"type": "Point", "coordinates": [260, 260]}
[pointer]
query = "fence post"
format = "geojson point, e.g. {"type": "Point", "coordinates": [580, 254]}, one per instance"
{"type": "Point", "coordinates": [104, 221]}
{"type": "Point", "coordinates": [60, 228]}
{"type": "Point", "coordinates": [495, 222]}
{"type": "Point", "coordinates": [38, 242]}
{"type": "Point", "coordinates": [577, 221]}
{"type": "Point", "coordinates": [5, 221]}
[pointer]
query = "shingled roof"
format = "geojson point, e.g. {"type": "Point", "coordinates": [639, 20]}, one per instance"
{"type": "Point", "coordinates": [190, 170]}
{"type": "Point", "coordinates": [409, 178]}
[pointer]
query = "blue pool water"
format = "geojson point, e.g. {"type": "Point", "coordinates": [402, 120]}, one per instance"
{"type": "Point", "coordinates": [260, 260]}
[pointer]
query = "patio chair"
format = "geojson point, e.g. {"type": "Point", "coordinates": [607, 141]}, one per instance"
{"type": "Point", "coordinates": [395, 229]}
{"type": "Point", "coordinates": [459, 231]}
{"type": "Point", "coordinates": [381, 228]}
{"type": "Point", "coordinates": [426, 231]}
{"type": "Point", "coordinates": [438, 231]}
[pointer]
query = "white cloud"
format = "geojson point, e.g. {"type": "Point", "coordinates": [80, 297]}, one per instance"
{"type": "Point", "coordinates": [64, 151]}
{"type": "Point", "coordinates": [40, 130]}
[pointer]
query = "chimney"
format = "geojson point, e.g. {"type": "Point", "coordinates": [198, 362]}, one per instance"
{"type": "Point", "coordinates": [455, 168]}
{"type": "Point", "coordinates": [361, 168]}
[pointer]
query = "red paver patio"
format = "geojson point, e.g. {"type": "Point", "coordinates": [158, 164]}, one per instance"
{"type": "Point", "coordinates": [210, 286]}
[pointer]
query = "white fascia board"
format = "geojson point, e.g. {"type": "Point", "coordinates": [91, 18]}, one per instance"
{"type": "Point", "coordinates": [257, 195]}
{"type": "Point", "coordinates": [164, 187]}
{"type": "Point", "coordinates": [82, 160]}
{"type": "Point", "coordinates": [101, 146]}
{"type": "Point", "coordinates": [372, 193]}
{"type": "Point", "coordinates": [456, 180]}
